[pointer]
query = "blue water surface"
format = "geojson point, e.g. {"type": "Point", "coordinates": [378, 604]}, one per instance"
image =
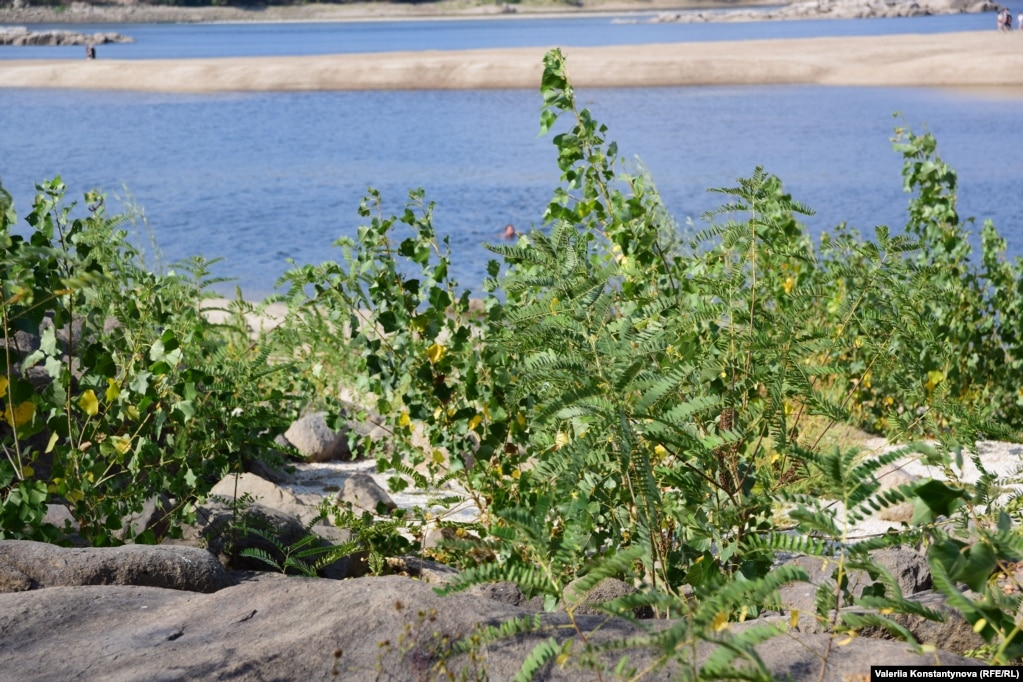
{"type": "Point", "coordinates": [179, 41]}
{"type": "Point", "coordinates": [260, 178]}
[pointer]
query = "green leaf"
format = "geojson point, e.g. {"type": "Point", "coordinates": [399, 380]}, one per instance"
{"type": "Point", "coordinates": [185, 409]}
{"type": "Point", "coordinates": [935, 499]}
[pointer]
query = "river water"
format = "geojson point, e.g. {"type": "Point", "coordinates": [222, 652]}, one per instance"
{"type": "Point", "coordinates": [258, 178]}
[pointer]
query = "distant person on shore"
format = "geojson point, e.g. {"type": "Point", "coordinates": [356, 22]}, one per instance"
{"type": "Point", "coordinates": [90, 51]}
{"type": "Point", "coordinates": [1005, 19]}
{"type": "Point", "coordinates": [1019, 21]}
{"type": "Point", "coordinates": [509, 232]}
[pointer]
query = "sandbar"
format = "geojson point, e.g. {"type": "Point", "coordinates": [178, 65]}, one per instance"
{"type": "Point", "coordinates": [977, 59]}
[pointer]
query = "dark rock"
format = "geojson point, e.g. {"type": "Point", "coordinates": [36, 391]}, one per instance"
{"type": "Point", "coordinates": [907, 566]}
{"type": "Point", "coordinates": [954, 633]}
{"type": "Point", "coordinates": [272, 468]}
{"type": "Point", "coordinates": [507, 593]}
{"type": "Point", "coordinates": [34, 565]}
{"type": "Point", "coordinates": [154, 516]}
{"type": "Point", "coordinates": [424, 569]}
{"type": "Point", "coordinates": [246, 512]}
{"type": "Point", "coordinates": [603, 592]}
{"type": "Point", "coordinates": [235, 487]}
{"type": "Point", "coordinates": [227, 532]}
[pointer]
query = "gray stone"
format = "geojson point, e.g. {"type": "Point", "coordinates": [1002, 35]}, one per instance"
{"type": "Point", "coordinates": [363, 493]}
{"type": "Point", "coordinates": [272, 468]}
{"type": "Point", "coordinates": [154, 516]}
{"type": "Point", "coordinates": [424, 569]}
{"type": "Point", "coordinates": [316, 441]}
{"type": "Point", "coordinates": [256, 526]}
{"type": "Point", "coordinates": [954, 633]}
{"type": "Point", "coordinates": [801, 596]}
{"type": "Point", "coordinates": [275, 628]}
{"type": "Point", "coordinates": [33, 565]}
{"type": "Point", "coordinates": [603, 592]}
{"type": "Point", "coordinates": [507, 593]}
{"type": "Point", "coordinates": [20, 35]}
{"type": "Point", "coordinates": [893, 476]}
{"type": "Point", "coordinates": [235, 486]}
{"type": "Point", "coordinates": [907, 566]}
{"type": "Point", "coordinates": [60, 516]}
{"type": "Point", "coordinates": [227, 532]}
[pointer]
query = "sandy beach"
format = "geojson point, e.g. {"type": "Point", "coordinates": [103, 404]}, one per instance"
{"type": "Point", "coordinates": [953, 60]}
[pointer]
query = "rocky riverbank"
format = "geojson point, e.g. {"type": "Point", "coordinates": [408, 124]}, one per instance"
{"type": "Point", "coordinates": [669, 11]}
{"type": "Point", "coordinates": [21, 35]}
{"type": "Point", "coordinates": [264, 626]}
{"type": "Point", "coordinates": [137, 13]}
{"type": "Point", "coordinates": [175, 612]}
{"type": "Point", "coordinates": [836, 9]}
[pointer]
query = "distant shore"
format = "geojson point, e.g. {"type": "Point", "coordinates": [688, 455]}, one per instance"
{"type": "Point", "coordinates": [83, 13]}
{"type": "Point", "coordinates": [976, 59]}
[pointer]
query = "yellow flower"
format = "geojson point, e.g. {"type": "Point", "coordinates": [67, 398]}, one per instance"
{"type": "Point", "coordinates": [122, 444]}
{"type": "Point", "coordinates": [934, 377]}
{"type": "Point", "coordinates": [113, 390]}
{"type": "Point", "coordinates": [435, 352]}
{"type": "Point", "coordinates": [89, 404]}
{"type": "Point", "coordinates": [20, 414]}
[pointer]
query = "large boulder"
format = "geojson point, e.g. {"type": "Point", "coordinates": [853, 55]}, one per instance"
{"type": "Point", "coordinates": [26, 565]}
{"type": "Point", "coordinates": [365, 494]}
{"type": "Point", "coordinates": [316, 441]}
{"type": "Point", "coordinates": [907, 566]}
{"type": "Point", "coordinates": [395, 628]}
{"type": "Point", "coordinates": [234, 535]}
{"type": "Point", "coordinates": [952, 632]}
{"type": "Point", "coordinates": [248, 485]}
{"type": "Point", "coordinates": [245, 515]}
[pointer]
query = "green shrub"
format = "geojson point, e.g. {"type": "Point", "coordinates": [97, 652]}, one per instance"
{"type": "Point", "coordinates": [626, 400]}
{"type": "Point", "coordinates": [129, 392]}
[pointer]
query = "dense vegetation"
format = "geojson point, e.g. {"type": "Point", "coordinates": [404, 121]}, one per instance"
{"type": "Point", "coordinates": [624, 398]}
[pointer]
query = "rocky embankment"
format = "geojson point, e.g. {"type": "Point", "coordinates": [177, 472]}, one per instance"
{"type": "Point", "coordinates": [210, 624]}
{"type": "Point", "coordinates": [836, 9]}
{"type": "Point", "coordinates": [21, 35]}
{"type": "Point", "coordinates": [175, 611]}
{"type": "Point", "coordinates": [135, 12]}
